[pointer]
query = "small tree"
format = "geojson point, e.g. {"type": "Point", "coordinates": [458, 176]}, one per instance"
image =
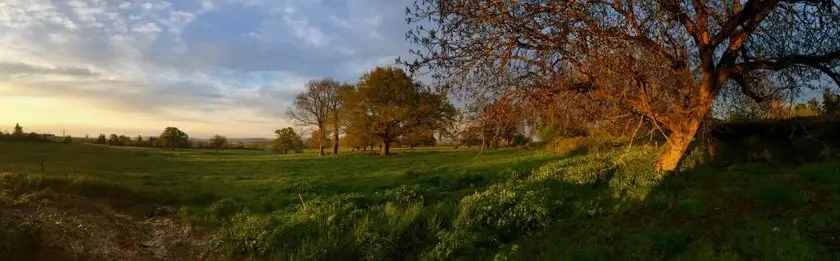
{"type": "Point", "coordinates": [218, 142]}
{"type": "Point", "coordinates": [287, 139]}
{"type": "Point", "coordinates": [114, 140]}
{"type": "Point", "coordinates": [102, 139]}
{"type": "Point", "coordinates": [125, 141]}
{"type": "Point", "coordinates": [831, 103]}
{"type": "Point", "coordinates": [173, 138]}
{"type": "Point", "coordinates": [18, 131]}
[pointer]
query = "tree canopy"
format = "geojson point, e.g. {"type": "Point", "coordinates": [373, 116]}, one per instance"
{"type": "Point", "coordinates": [388, 104]}
{"type": "Point", "coordinates": [315, 106]}
{"type": "Point", "coordinates": [665, 60]}
{"type": "Point", "coordinates": [18, 132]}
{"type": "Point", "coordinates": [218, 142]}
{"type": "Point", "coordinates": [172, 138]}
{"type": "Point", "coordinates": [287, 139]}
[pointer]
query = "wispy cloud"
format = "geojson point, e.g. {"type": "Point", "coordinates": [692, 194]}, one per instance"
{"type": "Point", "coordinates": [228, 66]}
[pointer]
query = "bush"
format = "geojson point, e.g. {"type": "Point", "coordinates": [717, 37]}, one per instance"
{"type": "Point", "coordinates": [520, 140]}
{"type": "Point", "coordinates": [334, 228]}
{"type": "Point", "coordinates": [576, 170]}
{"type": "Point", "coordinates": [497, 215]}
{"type": "Point", "coordinates": [634, 177]}
{"type": "Point", "coordinates": [405, 194]}
{"type": "Point", "coordinates": [566, 145]}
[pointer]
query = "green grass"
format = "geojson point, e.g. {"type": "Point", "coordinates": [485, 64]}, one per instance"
{"type": "Point", "coordinates": [446, 204]}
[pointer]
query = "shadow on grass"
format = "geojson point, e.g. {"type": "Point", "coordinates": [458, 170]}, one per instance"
{"type": "Point", "coordinates": [746, 212]}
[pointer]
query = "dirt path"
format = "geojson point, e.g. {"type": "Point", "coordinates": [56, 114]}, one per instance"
{"type": "Point", "coordinates": [70, 227]}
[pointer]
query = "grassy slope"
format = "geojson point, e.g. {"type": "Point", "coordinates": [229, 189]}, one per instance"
{"type": "Point", "coordinates": [447, 204]}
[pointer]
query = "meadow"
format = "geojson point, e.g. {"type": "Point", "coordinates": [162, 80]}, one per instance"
{"type": "Point", "coordinates": [425, 204]}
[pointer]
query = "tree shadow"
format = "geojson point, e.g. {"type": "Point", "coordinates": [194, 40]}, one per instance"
{"type": "Point", "coordinates": [752, 211]}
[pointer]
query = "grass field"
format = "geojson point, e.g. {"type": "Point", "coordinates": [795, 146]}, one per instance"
{"type": "Point", "coordinates": [427, 204]}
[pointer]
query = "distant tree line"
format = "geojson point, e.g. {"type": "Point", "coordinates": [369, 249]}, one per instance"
{"type": "Point", "coordinates": [170, 138]}
{"type": "Point", "coordinates": [18, 135]}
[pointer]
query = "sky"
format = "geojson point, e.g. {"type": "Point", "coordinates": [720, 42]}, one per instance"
{"type": "Point", "coordinates": [134, 67]}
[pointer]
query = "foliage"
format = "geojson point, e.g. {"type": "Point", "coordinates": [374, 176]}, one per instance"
{"type": "Point", "coordinates": [830, 102]}
{"type": "Point", "coordinates": [318, 105]}
{"type": "Point", "coordinates": [101, 139]}
{"type": "Point", "coordinates": [218, 142]}
{"type": "Point", "coordinates": [18, 132]}
{"type": "Point", "coordinates": [418, 137]}
{"type": "Point", "coordinates": [287, 139]}
{"type": "Point", "coordinates": [664, 60]}
{"type": "Point", "coordinates": [19, 136]}
{"type": "Point", "coordinates": [172, 138]}
{"type": "Point", "coordinates": [390, 104]}
{"type": "Point", "coordinates": [114, 140]}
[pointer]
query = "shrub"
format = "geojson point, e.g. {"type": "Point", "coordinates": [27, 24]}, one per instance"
{"type": "Point", "coordinates": [224, 208]}
{"type": "Point", "coordinates": [466, 179]}
{"type": "Point", "coordinates": [334, 228]}
{"type": "Point", "coordinates": [497, 215]}
{"type": "Point", "coordinates": [405, 194]}
{"type": "Point", "coordinates": [567, 145]}
{"type": "Point", "coordinates": [520, 140]}
{"type": "Point", "coordinates": [634, 177]}
{"type": "Point", "coordinates": [576, 170]}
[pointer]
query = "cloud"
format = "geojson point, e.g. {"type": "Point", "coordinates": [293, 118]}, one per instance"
{"type": "Point", "coordinates": [11, 68]}
{"type": "Point", "coordinates": [206, 64]}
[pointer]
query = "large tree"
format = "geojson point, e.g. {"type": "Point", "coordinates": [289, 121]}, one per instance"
{"type": "Point", "coordinates": [315, 106]}
{"type": "Point", "coordinates": [173, 138]}
{"type": "Point", "coordinates": [391, 104]}
{"type": "Point", "coordinates": [666, 60]}
{"type": "Point", "coordinates": [339, 114]}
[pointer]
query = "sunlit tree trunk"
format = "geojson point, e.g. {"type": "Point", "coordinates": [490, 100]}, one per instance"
{"type": "Point", "coordinates": [684, 126]}
{"type": "Point", "coordinates": [676, 145]}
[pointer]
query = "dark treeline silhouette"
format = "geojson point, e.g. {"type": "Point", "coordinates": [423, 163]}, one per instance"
{"type": "Point", "coordinates": [18, 135]}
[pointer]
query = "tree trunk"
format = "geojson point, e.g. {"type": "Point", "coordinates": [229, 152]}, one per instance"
{"type": "Point", "coordinates": [675, 147]}
{"type": "Point", "coordinates": [335, 142]}
{"type": "Point", "coordinates": [685, 126]}
{"type": "Point", "coordinates": [321, 149]}
{"type": "Point", "coordinates": [385, 149]}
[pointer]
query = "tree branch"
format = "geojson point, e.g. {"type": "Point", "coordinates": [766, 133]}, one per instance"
{"type": "Point", "coordinates": [814, 61]}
